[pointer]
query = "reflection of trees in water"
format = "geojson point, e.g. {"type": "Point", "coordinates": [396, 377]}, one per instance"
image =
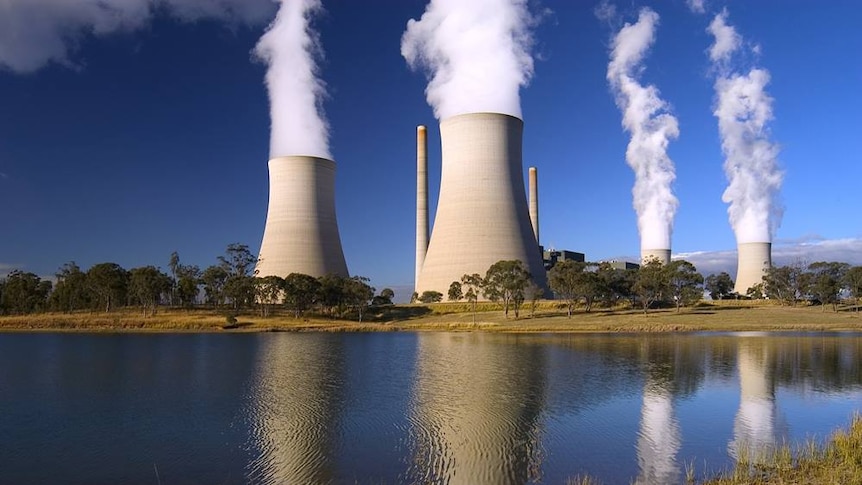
{"type": "Point", "coordinates": [296, 399]}
{"type": "Point", "coordinates": [476, 406]}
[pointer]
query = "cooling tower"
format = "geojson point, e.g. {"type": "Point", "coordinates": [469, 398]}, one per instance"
{"type": "Point", "coordinates": [534, 202]}
{"type": "Point", "coordinates": [421, 199]}
{"type": "Point", "coordinates": [754, 260]}
{"type": "Point", "coordinates": [301, 233]}
{"type": "Point", "coordinates": [662, 255]}
{"type": "Point", "coordinates": [482, 212]}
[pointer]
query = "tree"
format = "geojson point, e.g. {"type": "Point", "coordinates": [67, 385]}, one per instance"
{"type": "Point", "coordinates": [71, 291]}
{"type": "Point", "coordinates": [24, 293]}
{"type": "Point", "coordinates": [534, 293]}
{"type": "Point", "coordinates": [473, 284]}
{"type": "Point", "coordinates": [651, 283]}
{"type": "Point", "coordinates": [109, 284]}
{"type": "Point", "coordinates": [268, 291]}
{"type": "Point", "coordinates": [384, 298]}
{"type": "Point", "coordinates": [719, 286]}
{"type": "Point", "coordinates": [506, 280]}
{"type": "Point", "coordinates": [684, 283]}
{"type": "Point", "coordinates": [563, 279]}
{"type": "Point", "coordinates": [826, 281]}
{"type": "Point", "coordinates": [431, 296]}
{"type": "Point", "coordinates": [615, 283]}
{"type": "Point", "coordinates": [331, 293]}
{"type": "Point", "coordinates": [188, 279]}
{"type": "Point", "coordinates": [300, 292]}
{"type": "Point", "coordinates": [455, 293]}
{"type": "Point", "coordinates": [783, 283]}
{"type": "Point", "coordinates": [146, 287]}
{"type": "Point", "coordinates": [239, 286]}
{"type": "Point", "coordinates": [213, 279]}
{"type": "Point", "coordinates": [358, 294]}
{"type": "Point", "coordinates": [174, 266]}
{"type": "Point", "coordinates": [853, 281]}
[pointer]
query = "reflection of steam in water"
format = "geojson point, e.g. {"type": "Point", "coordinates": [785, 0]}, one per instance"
{"type": "Point", "coordinates": [475, 409]}
{"type": "Point", "coordinates": [754, 429]}
{"type": "Point", "coordinates": [295, 399]}
{"type": "Point", "coordinates": [658, 438]}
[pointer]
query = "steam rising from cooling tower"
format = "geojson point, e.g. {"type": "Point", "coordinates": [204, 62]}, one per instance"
{"type": "Point", "coordinates": [651, 127]}
{"type": "Point", "coordinates": [289, 47]}
{"type": "Point", "coordinates": [477, 57]}
{"type": "Point", "coordinates": [477, 54]}
{"type": "Point", "coordinates": [301, 233]}
{"type": "Point", "coordinates": [743, 109]}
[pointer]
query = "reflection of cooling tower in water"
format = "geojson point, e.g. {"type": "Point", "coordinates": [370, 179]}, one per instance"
{"type": "Point", "coordinates": [301, 232]}
{"type": "Point", "coordinates": [754, 426]}
{"type": "Point", "coordinates": [295, 400]}
{"type": "Point", "coordinates": [754, 260]}
{"type": "Point", "coordinates": [482, 214]}
{"type": "Point", "coordinates": [475, 407]}
{"type": "Point", "coordinates": [658, 438]}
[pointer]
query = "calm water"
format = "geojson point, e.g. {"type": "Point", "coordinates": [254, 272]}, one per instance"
{"type": "Point", "coordinates": [410, 408]}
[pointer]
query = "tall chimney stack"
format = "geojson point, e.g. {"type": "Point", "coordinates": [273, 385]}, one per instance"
{"type": "Point", "coordinates": [534, 202]}
{"type": "Point", "coordinates": [421, 200]}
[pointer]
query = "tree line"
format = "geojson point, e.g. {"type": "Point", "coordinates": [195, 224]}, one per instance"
{"type": "Point", "coordinates": [231, 284]}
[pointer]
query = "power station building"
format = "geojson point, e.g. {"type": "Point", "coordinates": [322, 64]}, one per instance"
{"type": "Point", "coordinates": [482, 211]}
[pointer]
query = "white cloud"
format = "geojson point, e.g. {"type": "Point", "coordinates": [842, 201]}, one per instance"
{"type": "Point", "coordinates": [605, 11]}
{"type": "Point", "coordinates": [696, 6]}
{"type": "Point", "coordinates": [34, 33]}
{"type": "Point", "coordinates": [843, 250]}
{"type": "Point", "coordinates": [727, 41]}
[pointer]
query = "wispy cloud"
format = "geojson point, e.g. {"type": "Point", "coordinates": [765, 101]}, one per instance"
{"type": "Point", "coordinates": [696, 6]}
{"type": "Point", "coordinates": [805, 249]}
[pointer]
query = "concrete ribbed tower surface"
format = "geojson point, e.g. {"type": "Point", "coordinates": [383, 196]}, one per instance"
{"type": "Point", "coordinates": [754, 260]}
{"type": "Point", "coordinates": [663, 255]}
{"type": "Point", "coordinates": [301, 232]}
{"type": "Point", "coordinates": [482, 214]}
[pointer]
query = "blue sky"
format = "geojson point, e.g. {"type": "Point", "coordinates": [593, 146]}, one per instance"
{"type": "Point", "coordinates": [154, 137]}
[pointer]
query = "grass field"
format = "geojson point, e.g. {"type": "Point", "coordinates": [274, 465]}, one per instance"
{"type": "Point", "coordinates": [549, 316]}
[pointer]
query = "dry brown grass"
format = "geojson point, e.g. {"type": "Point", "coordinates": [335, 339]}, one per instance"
{"type": "Point", "coordinates": [550, 316]}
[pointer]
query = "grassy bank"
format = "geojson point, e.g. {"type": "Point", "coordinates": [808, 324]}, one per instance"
{"type": "Point", "coordinates": [839, 461]}
{"type": "Point", "coordinates": [549, 316]}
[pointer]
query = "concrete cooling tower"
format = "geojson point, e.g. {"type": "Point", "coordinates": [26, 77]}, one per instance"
{"type": "Point", "coordinates": [301, 233]}
{"type": "Point", "coordinates": [482, 214]}
{"type": "Point", "coordinates": [663, 255]}
{"type": "Point", "coordinates": [754, 260]}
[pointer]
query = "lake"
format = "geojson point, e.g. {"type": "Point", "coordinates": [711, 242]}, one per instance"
{"type": "Point", "coordinates": [467, 408]}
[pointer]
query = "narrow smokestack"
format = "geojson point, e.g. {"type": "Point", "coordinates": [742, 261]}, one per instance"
{"type": "Point", "coordinates": [754, 260]}
{"type": "Point", "coordinates": [663, 255]}
{"type": "Point", "coordinates": [421, 199]}
{"type": "Point", "coordinates": [534, 202]}
{"type": "Point", "coordinates": [301, 232]}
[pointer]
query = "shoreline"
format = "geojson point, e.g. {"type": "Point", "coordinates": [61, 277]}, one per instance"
{"type": "Point", "coordinates": [734, 316]}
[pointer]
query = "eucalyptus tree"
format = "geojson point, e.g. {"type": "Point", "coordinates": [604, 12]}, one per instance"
{"type": "Point", "coordinates": [147, 285]}
{"type": "Point", "coordinates": [71, 291]}
{"type": "Point", "coordinates": [187, 284]}
{"type": "Point", "coordinates": [826, 280]}
{"type": "Point", "coordinates": [268, 291]}
{"type": "Point", "coordinates": [358, 294]}
{"type": "Point", "coordinates": [431, 296]}
{"type": "Point", "coordinates": [213, 279]}
{"type": "Point", "coordinates": [564, 281]}
{"type": "Point", "coordinates": [719, 286]}
{"type": "Point", "coordinates": [506, 281]}
{"type": "Point", "coordinates": [24, 293]}
{"type": "Point", "coordinates": [684, 283]}
{"type": "Point", "coordinates": [651, 284]}
{"type": "Point", "coordinates": [239, 286]}
{"type": "Point", "coordinates": [455, 292]}
{"type": "Point", "coordinates": [300, 292]}
{"type": "Point", "coordinates": [109, 284]}
{"type": "Point", "coordinates": [473, 284]}
{"type": "Point", "coordinates": [853, 282]}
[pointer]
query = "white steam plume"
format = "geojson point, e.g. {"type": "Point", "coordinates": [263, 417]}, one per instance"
{"type": "Point", "coordinates": [646, 117]}
{"type": "Point", "coordinates": [744, 109]}
{"type": "Point", "coordinates": [476, 53]}
{"type": "Point", "coordinates": [34, 33]}
{"type": "Point", "coordinates": [290, 47]}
